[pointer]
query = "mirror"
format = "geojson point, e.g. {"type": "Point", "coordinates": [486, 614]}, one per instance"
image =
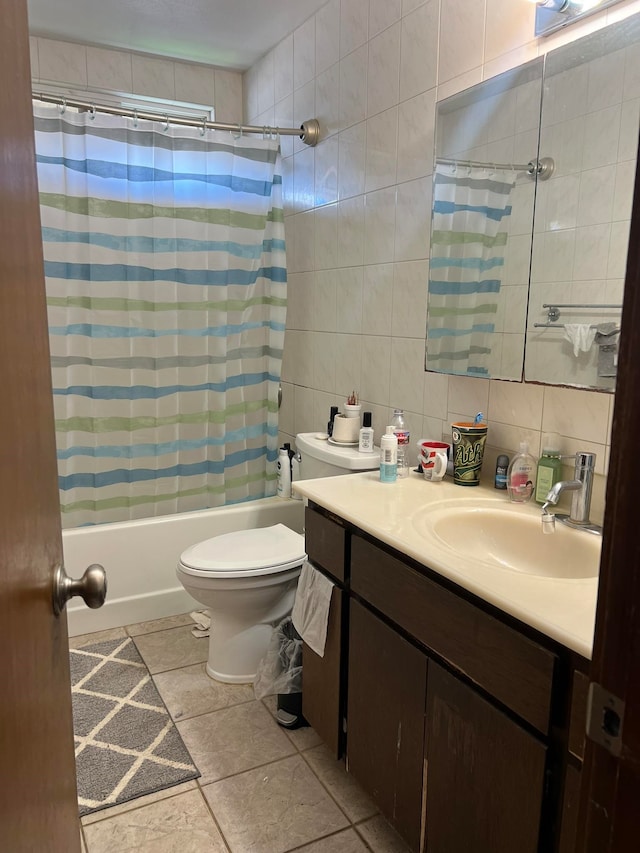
{"type": "Point", "coordinates": [590, 122]}
{"type": "Point", "coordinates": [487, 316]}
{"type": "Point", "coordinates": [482, 218]}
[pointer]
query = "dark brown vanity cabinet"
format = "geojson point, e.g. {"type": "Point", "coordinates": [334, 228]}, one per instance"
{"type": "Point", "coordinates": [456, 720]}
{"type": "Point", "coordinates": [385, 714]}
{"type": "Point", "coordinates": [324, 677]}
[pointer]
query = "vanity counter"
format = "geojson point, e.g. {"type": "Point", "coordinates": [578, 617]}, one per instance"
{"type": "Point", "coordinates": [561, 608]}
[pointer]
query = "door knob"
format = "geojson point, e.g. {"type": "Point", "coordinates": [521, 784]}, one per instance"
{"type": "Point", "coordinates": [92, 587]}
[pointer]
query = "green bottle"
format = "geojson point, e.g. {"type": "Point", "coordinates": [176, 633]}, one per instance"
{"type": "Point", "coordinates": [549, 467]}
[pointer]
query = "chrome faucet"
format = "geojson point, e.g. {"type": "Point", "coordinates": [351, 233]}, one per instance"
{"type": "Point", "coordinates": [582, 485]}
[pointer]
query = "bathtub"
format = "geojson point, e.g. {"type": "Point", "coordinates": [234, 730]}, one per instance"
{"type": "Point", "coordinates": [140, 559]}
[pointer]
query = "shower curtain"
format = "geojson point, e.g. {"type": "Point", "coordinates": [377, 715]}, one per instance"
{"type": "Point", "coordinates": [469, 236]}
{"type": "Point", "coordinates": [166, 288]}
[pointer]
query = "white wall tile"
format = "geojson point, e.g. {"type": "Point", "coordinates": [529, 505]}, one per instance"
{"type": "Point", "coordinates": [416, 125]}
{"type": "Point", "coordinates": [283, 68]}
{"type": "Point", "coordinates": [508, 26]}
{"type": "Point", "coordinates": [324, 301]}
{"type": "Point", "coordinates": [348, 349]}
{"type": "Point", "coordinates": [326, 172]}
{"type": "Point", "coordinates": [153, 77]}
{"type": "Point", "coordinates": [409, 314]}
{"type": "Point", "coordinates": [354, 24]}
{"type": "Point", "coordinates": [327, 35]}
{"type": "Point", "coordinates": [413, 219]}
{"type": "Point", "coordinates": [64, 62]}
{"type": "Point", "coordinates": [326, 239]}
{"type": "Point", "coordinates": [379, 226]}
{"type": "Point", "coordinates": [576, 413]}
{"type": "Point", "coordinates": [266, 91]}
{"type": "Point", "coordinates": [304, 53]}
{"type": "Point", "coordinates": [382, 150]}
{"type": "Point", "coordinates": [194, 83]}
{"type": "Point", "coordinates": [228, 96]}
{"type": "Point", "coordinates": [304, 108]}
{"type": "Point", "coordinates": [351, 231]}
{"type": "Point", "coordinates": [376, 369]}
{"type": "Point", "coordinates": [419, 50]}
{"type": "Point", "coordinates": [108, 69]}
{"type": "Point", "coordinates": [349, 282]}
{"type": "Point", "coordinates": [383, 13]}
{"type": "Point", "coordinates": [383, 77]}
{"type": "Point", "coordinates": [353, 87]}
{"type": "Point", "coordinates": [328, 100]}
{"type": "Point", "coordinates": [377, 299]}
{"type": "Point", "coordinates": [351, 160]}
{"type": "Point", "coordinates": [462, 25]}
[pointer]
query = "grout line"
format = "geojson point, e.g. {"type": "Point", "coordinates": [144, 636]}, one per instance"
{"type": "Point", "coordinates": [209, 808]}
{"type": "Point", "coordinates": [133, 808]}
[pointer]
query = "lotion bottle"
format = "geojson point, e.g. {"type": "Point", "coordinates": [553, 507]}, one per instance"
{"type": "Point", "coordinates": [521, 476]}
{"type": "Point", "coordinates": [389, 456]}
{"type": "Point", "coordinates": [549, 467]}
{"type": "Point", "coordinates": [365, 442]}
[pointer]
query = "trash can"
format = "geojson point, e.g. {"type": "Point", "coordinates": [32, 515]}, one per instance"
{"type": "Point", "coordinates": [280, 673]}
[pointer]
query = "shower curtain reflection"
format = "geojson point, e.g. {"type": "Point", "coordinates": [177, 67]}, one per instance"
{"type": "Point", "coordinates": [166, 285]}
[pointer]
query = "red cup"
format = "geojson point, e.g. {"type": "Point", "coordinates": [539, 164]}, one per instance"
{"type": "Point", "coordinates": [433, 456]}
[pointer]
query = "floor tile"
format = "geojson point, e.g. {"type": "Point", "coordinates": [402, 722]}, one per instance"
{"type": "Point", "coordinates": [114, 811]}
{"type": "Point", "coordinates": [154, 625]}
{"type": "Point", "coordinates": [178, 825]}
{"type": "Point", "coordinates": [97, 637]}
{"type": "Point", "coordinates": [189, 691]}
{"type": "Point", "coordinates": [274, 808]}
{"type": "Point", "coordinates": [171, 649]}
{"type": "Point", "coordinates": [381, 836]}
{"type": "Point", "coordinates": [343, 787]}
{"type": "Point", "coordinates": [233, 740]}
{"type": "Point", "coordinates": [343, 842]}
{"type": "Point", "coordinates": [83, 848]}
{"type": "Point", "coordinates": [302, 738]}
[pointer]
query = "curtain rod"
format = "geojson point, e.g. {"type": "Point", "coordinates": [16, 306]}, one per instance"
{"type": "Point", "coordinates": [308, 132]}
{"type": "Point", "coordinates": [543, 168]}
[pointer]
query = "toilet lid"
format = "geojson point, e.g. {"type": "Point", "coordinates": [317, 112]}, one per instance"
{"type": "Point", "coordinates": [257, 551]}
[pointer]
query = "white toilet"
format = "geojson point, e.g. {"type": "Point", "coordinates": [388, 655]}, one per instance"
{"type": "Point", "coordinates": [247, 579]}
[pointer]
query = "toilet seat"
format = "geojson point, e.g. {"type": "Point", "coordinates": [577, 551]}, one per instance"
{"type": "Point", "coordinates": [245, 553]}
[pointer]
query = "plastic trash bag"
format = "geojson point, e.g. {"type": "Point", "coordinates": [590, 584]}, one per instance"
{"type": "Point", "coordinates": [280, 670]}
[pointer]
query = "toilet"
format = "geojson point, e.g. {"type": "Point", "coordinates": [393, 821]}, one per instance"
{"type": "Point", "coordinates": [247, 579]}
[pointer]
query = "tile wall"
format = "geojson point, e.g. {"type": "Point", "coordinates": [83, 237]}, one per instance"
{"type": "Point", "coordinates": [358, 206]}
{"type": "Point", "coordinates": [80, 66]}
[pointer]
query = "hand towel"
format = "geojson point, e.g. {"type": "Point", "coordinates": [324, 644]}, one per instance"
{"type": "Point", "coordinates": [310, 613]}
{"type": "Point", "coordinates": [581, 335]}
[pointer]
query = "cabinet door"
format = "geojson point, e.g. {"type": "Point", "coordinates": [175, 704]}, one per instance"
{"type": "Point", "coordinates": [385, 719]}
{"type": "Point", "coordinates": [322, 681]}
{"type": "Point", "coordinates": [485, 774]}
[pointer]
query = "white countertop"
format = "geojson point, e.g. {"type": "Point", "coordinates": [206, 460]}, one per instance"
{"type": "Point", "coordinates": [563, 609]}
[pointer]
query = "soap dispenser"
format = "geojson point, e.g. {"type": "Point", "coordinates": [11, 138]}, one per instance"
{"type": "Point", "coordinates": [521, 476]}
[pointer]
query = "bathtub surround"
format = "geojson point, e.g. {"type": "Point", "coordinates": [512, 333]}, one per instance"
{"type": "Point", "coordinates": [165, 269]}
{"type": "Point", "coordinates": [358, 211]}
{"type": "Point", "coordinates": [126, 744]}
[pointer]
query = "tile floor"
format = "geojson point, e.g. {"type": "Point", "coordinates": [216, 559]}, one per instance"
{"type": "Point", "coordinates": [263, 789]}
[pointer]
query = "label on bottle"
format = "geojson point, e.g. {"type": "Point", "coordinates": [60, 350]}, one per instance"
{"type": "Point", "coordinates": [544, 483]}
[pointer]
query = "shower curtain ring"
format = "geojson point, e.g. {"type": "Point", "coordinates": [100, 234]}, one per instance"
{"type": "Point", "coordinates": [92, 110]}
{"type": "Point", "coordinates": [135, 117]}
{"type": "Point", "coordinates": [63, 106]}
{"type": "Point", "coordinates": [166, 123]}
{"type": "Point", "coordinates": [237, 135]}
{"type": "Point", "coordinates": [203, 129]}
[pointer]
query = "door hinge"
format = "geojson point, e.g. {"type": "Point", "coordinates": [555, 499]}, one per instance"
{"type": "Point", "coordinates": [605, 716]}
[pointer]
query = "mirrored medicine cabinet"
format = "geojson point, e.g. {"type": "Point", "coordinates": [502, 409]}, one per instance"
{"type": "Point", "coordinates": [532, 194]}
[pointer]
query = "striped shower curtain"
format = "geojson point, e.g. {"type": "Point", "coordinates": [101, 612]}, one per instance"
{"type": "Point", "coordinates": [166, 287]}
{"type": "Point", "coordinates": [471, 207]}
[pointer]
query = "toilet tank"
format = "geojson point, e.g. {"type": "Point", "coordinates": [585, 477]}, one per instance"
{"type": "Point", "coordinates": [321, 459]}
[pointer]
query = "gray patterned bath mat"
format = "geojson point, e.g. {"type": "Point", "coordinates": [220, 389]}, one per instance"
{"type": "Point", "coordinates": [126, 743]}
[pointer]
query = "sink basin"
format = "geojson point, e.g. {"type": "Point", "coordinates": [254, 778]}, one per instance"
{"type": "Point", "coordinates": [509, 536]}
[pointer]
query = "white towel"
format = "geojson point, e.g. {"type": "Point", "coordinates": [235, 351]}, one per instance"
{"type": "Point", "coordinates": [581, 335]}
{"type": "Point", "coordinates": [310, 613]}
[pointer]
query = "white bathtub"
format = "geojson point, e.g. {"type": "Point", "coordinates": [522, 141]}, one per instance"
{"type": "Point", "coordinates": [140, 559]}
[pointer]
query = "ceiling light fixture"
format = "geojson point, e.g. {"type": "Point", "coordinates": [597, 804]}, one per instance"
{"type": "Point", "coordinates": [552, 15]}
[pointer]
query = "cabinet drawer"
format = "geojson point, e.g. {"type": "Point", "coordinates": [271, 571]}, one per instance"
{"type": "Point", "coordinates": [515, 670]}
{"type": "Point", "coordinates": [325, 543]}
